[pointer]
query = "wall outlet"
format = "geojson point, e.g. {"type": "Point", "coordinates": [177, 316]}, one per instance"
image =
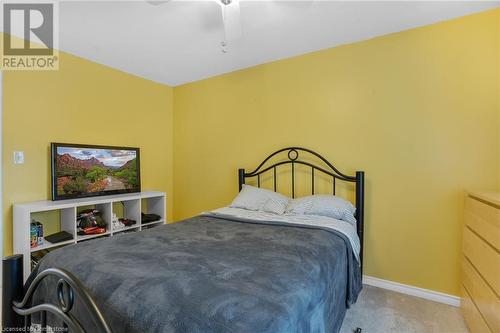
{"type": "Point", "coordinates": [18, 157]}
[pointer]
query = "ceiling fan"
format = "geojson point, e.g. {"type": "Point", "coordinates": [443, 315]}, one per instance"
{"type": "Point", "coordinates": [230, 17]}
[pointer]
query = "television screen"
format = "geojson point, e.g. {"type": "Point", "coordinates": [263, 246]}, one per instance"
{"type": "Point", "coordinates": [87, 170]}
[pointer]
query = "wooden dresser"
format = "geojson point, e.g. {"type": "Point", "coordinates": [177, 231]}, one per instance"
{"type": "Point", "coordinates": [481, 262]}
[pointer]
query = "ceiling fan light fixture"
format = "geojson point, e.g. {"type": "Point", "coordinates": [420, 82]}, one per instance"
{"type": "Point", "coordinates": [231, 19]}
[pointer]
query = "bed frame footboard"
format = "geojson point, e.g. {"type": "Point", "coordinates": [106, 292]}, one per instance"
{"type": "Point", "coordinates": [18, 305]}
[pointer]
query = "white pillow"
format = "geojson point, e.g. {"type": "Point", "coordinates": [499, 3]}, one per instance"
{"type": "Point", "coordinates": [323, 205]}
{"type": "Point", "coordinates": [253, 198]}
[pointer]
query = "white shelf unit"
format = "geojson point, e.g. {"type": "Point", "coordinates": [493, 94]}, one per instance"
{"type": "Point", "coordinates": [133, 204]}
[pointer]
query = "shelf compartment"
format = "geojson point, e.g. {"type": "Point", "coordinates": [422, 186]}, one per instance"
{"type": "Point", "coordinates": [40, 251]}
{"type": "Point", "coordinates": [87, 237]}
{"type": "Point", "coordinates": [48, 245]}
{"type": "Point", "coordinates": [54, 221]}
{"type": "Point", "coordinates": [154, 205]}
{"type": "Point", "coordinates": [152, 223]}
{"type": "Point", "coordinates": [106, 213]}
{"type": "Point", "coordinates": [135, 226]}
{"type": "Point", "coordinates": [123, 232]}
{"type": "Point", "coordinates": [129, 209]}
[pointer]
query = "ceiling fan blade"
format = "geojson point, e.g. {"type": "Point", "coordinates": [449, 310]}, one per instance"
{"type": "Point", "coordinates": [157, 2]}
{"type": "Point", "coordinates": [232, 20]}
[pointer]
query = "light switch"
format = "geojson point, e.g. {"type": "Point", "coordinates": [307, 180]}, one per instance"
{"type": "Point", "coordinates": [18, 157]}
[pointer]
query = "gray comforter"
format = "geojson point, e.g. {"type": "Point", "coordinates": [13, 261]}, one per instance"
{"type": "Point", "coordinates": [209, 274]}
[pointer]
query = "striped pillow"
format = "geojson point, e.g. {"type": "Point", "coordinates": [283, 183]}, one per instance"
{"type": "Point", "coordinates": [323, 205]}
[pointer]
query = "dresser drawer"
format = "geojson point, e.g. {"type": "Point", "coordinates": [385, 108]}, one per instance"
{"type": "Point", "coordinates": [484, 219]}
{"type": "Point", "coordinates": [483, 257]}
{"type": "Point", "coordinates": [485, 299]}
{"type": "Point", "coordinates": [474, 320]}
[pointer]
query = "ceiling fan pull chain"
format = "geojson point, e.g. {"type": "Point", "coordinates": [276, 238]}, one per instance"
{"type": "Point", "coordinates": [223, 45]}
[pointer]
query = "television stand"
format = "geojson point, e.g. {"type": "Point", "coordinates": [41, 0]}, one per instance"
{"type": "Point", "coordinates": [61, 216]}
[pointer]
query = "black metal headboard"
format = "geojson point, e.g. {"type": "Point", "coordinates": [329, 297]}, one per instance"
{"type": "Point", "coordinates": [291, 156]}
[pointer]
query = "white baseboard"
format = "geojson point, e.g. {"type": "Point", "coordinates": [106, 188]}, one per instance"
{"type": "Point", "coordinates": [411, 290]}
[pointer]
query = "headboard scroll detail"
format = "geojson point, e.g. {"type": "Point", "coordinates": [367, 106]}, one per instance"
{"type": "Point", "coordinates": [292, 156]}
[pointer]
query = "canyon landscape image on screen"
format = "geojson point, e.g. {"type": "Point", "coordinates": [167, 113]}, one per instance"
{"type": "Point", "coordinates": [91, 170]}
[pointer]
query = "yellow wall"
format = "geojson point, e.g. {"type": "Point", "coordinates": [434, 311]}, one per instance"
{"type": "Point", "coordinates": [83, 102]}
{"type": "Point", "coordinates": [416, 110]}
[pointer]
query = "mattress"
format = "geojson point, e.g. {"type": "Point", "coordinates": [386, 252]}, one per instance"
{"type": "Point", "coordinates": [216, 273]}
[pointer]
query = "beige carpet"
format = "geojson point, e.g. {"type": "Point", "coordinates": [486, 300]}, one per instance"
{"type": "Point", "coordinates": [382, 311]}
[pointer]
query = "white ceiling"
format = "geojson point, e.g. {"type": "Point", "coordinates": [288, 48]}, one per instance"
{"type": "Point", "coordinates": [179, 41]}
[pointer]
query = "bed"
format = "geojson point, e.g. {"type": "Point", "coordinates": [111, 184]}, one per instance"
{"type": "Point", "coordinates": [227, 270]}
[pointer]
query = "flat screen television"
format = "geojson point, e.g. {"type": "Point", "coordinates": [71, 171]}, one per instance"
{"type": "Point", "coordinates": [87, 170]}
